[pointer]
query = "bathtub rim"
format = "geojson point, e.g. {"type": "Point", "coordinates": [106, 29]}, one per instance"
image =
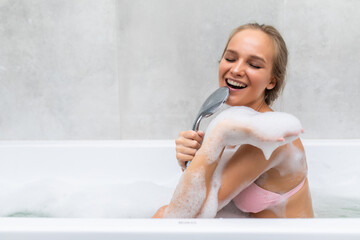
{"type": "Point", "coordinates": [321, 228]}
{"type": "Point", "coordinates": [159, 142]}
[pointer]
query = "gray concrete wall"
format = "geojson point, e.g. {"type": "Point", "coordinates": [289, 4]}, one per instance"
{"type": "Point", "coordinates": [140, 69]}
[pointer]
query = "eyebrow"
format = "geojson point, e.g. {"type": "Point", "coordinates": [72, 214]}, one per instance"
{"type": "Point", "coordinates": [251, 56]}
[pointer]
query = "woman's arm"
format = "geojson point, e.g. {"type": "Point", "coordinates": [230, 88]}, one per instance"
{"type": "Point", "coordinates": [243, 168]}
{"type": "Point", "coordinates": [194, 187]}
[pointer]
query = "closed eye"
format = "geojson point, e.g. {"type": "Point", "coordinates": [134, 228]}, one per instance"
{"type": "Point", "coordinates": [254, 66]}
{"type": "Point", "coordinates": [230, 59]}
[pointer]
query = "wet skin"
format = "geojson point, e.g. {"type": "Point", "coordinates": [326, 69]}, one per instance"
{"type": "Point", "coordinates": [246, 68]}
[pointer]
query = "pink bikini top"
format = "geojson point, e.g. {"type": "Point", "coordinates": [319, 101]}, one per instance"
{"type": "Point", "coordinates": [256, 199]}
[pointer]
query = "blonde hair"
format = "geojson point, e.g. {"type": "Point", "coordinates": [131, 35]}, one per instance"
{"type": "Point", "coordinates": [279, 61]}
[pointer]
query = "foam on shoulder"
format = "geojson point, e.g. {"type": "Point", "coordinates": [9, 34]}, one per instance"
{"type": "Point", "coordinates": [243, 125]}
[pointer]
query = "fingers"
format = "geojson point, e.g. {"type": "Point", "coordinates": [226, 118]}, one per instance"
{"type": "Point", "coordinates": [186, 150]}
{"type": "Point", "coordinates": [182, 159]}
{"type": "Point", "coordinates": [201, 134]}
{"type": "Point", "coordinates": [293, 133]}
{"type": "Point", "coordinates": [192, 135]}
{"type": "Point", "coordinates": [269, 138]}
{"type": "Point", "coordinates": [187, 145]}
{"type": "Point", "coordinates": [190, 139]}
{"type": "Point", "coordinates": [289, 135]}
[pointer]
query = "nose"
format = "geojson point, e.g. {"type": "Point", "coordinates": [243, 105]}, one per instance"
{"type": "Point", "coordinates": [238, 69]}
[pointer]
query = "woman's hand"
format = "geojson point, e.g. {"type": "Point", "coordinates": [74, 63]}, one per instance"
{"type": "Point", "coordinates": [187, 145]}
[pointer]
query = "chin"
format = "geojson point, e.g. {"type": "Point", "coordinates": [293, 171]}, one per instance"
{"type": "Point", "coordinates": [232, 103]}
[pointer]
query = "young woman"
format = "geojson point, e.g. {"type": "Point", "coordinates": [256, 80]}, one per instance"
{"type": "Point", "coordinates": [253, 66]}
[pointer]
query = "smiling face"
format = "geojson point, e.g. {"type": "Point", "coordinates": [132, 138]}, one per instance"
{"type": "Point", "coordinates": [246, 68]}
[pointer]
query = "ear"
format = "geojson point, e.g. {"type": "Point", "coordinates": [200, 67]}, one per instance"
{"type": "Point", "coordinates": [271, 84]}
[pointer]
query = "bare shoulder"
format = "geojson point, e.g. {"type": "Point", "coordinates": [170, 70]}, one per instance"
{"type": "Point", "coordinates": [288, 170]}
{"type": "Point", "coordinates": [285, 151]}
{"type": "Point", "coordinates": [297, 143]}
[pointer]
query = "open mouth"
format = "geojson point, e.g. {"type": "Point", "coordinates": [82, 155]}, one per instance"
{"type": "Point", "coordinates": [235, 84]}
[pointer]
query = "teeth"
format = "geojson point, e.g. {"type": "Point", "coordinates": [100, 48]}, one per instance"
{"type": "Point", "coordinates": [236, 84]}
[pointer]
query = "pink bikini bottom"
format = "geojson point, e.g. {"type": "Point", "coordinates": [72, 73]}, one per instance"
{"type": "Point", "coordinates": [255, 199]}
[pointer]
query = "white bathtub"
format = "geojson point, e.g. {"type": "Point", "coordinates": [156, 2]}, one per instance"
{"type": "Point", "coordinates": [334, 167]}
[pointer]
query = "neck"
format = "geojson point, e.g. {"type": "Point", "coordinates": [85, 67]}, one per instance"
{"type": "Point", "coordinates": [260, 106]}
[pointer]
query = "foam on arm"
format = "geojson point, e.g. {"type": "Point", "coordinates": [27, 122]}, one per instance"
{"type": "Point", "coordinates": [197, 191]}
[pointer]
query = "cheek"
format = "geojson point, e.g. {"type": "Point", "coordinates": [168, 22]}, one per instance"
{"type": "Point", "coordinates": [222, 71]}
{"type": "Point", "coordinates": [223, 67]}
{"type": "Point", "coordinates": [259, 78]}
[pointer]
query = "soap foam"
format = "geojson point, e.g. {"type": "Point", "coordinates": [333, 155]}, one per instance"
{"type": "Point", "coordinates": [189, 195]}
{"type": "Point", "coordinates": [211, 205]}
{"type": "Point", "coordinates": [280, 208]}
{"type": "Point", "coordinates": [234, 126]}
{"type": "Point", "coordinates": [292, 159]}
{"type": "Point", "coordinates": [57, 197]}
{"type": "Point", "coordinates": [243, 125]}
